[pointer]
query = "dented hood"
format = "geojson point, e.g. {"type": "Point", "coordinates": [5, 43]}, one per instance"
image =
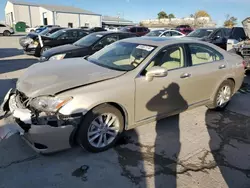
{"type": "Point", "coordinates": [52, 77]}
{"type": "Point", "coordinates": [246, 26]}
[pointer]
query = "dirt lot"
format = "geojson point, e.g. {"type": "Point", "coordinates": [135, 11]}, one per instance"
{"type": "Point", "coordinates": [198, 148]}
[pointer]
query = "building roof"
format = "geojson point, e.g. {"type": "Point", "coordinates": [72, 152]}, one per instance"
{"type": "Point", "coordinates": [56, 8]}
{"type": "Point", "coordinates": [114, 19]}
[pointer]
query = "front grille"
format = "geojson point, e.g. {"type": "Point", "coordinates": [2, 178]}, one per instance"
{"type": "Point", "coordinates": [245, 52]}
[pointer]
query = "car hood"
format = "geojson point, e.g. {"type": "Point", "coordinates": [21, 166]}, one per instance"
{"type": "Point", "coordinates": [61, 49]}
{"type": "Point", "coordinates": [52, 77]}
{"type": "Point", "coordinates": [246, 26]}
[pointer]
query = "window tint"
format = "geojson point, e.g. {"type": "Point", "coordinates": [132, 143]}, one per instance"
{"type": "Point", "coordinates": [203, 54]}
{"type": "Point", "coordinates": [81, 34]}
{"type": "Point", "coordinates": [171, 58]}
{"type": "Point", "coordinates": [175, 33]}
{"type": "Point", "coordinates": [145, 29]}
{"type": "Point", "coordinates": [133, 30]}
{"type": "Point", "coordinates": [238, 33]}
{"type": "Point", "coordinates": [218, 33]}
{"type": "Point", "coordinates": [108, 40]}
{"type": "Point", "coordinates": [139, 29]}
{"type": "Point", "coordinates": [167, 34]}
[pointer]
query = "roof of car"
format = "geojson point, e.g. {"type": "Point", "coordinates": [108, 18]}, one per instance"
{"type": "Point", "coordinates": [160, 41]}
{"type": "Point", "coordinates": [112, 32]}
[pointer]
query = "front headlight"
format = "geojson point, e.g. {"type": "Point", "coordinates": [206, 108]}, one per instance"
{"type": "Point", "coordinates": [57, 57]}
{"type": "Point", "coordinates": [49, 104]}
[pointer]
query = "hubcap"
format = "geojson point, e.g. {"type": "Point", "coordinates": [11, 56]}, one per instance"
{"type": "Point", "coordinates": [103, 130]}
{"type": "Point", "coordinates": [223, 96]}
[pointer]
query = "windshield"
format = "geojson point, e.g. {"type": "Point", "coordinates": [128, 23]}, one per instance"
{"type": "Point", "coordinates": [122, 56]}
{"type": "Point", "coordinates": [44, 32]}
{"type": "Point", "coordinates": [88, 40]}
{"type": "Point", "coordinates": [155, 33]}
{"type": "Point", "coordinates": [200, 33]}
{"type": "Point", "coordinates": [57, 34]}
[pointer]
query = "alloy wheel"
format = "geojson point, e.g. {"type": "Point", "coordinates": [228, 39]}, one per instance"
{"type": "Point", "coordinates": [224, 96]}
{"type": "Point", "coordinates": [103, 130]}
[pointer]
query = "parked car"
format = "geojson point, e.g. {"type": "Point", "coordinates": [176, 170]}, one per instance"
{"type": "Point", "coordinates": [33, 29]}
{"type": "Point", "coordinates": [165, 33]}
{"type": "Point", "coordinates": [65, 36]}
{"type": "Point", "coordinates": [242, 48]}
{"type": "Point", "coordinates": [185, 29]}
{"type": "Point", "coordinates": [200, 33]}
{"type": "Point", "coordinates": [39, 30]}
{"type": "Point", "coordinates": [97, 29]}
{"type": "Point", "coordinates": [85, 46]}
{"type": "Point", "coordinates": [140, 31]}
{"type": "Point", "coordinates": [6, 30]}
{"type": "Point", "coordinates": [93, 100]}
{"type": "Point", "coordinates": [220, 36]}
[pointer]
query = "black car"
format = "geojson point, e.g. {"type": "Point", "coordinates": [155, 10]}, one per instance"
{"type": "Point", "coordinates": [40, 44]}
{"type": "Point", "coordinates": [200, 33]}
{"type": "Point", "coordinates": [85, 46]}
{"type": "Point", "coordinates": [220, 36]}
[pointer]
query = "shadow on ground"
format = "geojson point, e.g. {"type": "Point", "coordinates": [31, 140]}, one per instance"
{"type": "Point", "coordinates": [15, 64]}
{"type": "Point", "coordinates": [10, 52]}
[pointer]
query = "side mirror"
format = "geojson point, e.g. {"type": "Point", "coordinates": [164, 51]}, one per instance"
{"type": "Point", "coordinates": [156, 71]}
{"type": "Point", "coordinates": [217, 37]}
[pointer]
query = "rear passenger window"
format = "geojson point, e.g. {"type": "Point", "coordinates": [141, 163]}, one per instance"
{"type": "Point", "coordinates": [171, 58]}
{"type": "Point", "coordinates": [203, 54]}
{"type": "Point", "coordinates": [139, 29]}
{"type": "Point", "coordinates": [133, 30]}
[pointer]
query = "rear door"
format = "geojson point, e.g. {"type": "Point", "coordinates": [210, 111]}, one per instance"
{"type": "Point", "coordinates": [207, 69]}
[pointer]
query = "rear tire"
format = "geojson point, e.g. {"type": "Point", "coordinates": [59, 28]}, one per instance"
{"type": "Point", "coordinates": [222, 96]}
{"type": "Point", "coordinates": [104, 120]}
{"type": "Point", "coordinates": [6, 33]}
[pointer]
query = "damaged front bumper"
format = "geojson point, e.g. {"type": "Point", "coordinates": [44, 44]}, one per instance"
{"type": "Point", "coordinates": [45, 133]}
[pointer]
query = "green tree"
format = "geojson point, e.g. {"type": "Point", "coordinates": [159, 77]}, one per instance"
{"type": "Point", "coordinates": [201, 13]}
{"type": "Point", "coordinates": [170, 16]}
{"type": "Point", "coordinates": [230, 21]}
{"type": "Point", "coordinates": [162, 14]}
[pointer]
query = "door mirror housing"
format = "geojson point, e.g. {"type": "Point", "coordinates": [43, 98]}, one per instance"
{"type": "Point", "coordinates": [217, 37]}
{"type": "Point", "coordinates": [156, 71]}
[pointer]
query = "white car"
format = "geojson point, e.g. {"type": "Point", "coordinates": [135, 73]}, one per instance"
{"type": "Point", "coordinates": [33, 29]}
{"type": "Point", "coordinates": [6, 30]}
{"type": "Point", "coordinates": [165, 33]}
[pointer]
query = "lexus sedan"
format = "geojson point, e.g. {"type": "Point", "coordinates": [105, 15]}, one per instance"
{"type": "Point", "coordinates": [126, 84]}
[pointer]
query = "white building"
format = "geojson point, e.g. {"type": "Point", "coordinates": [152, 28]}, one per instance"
{"type": "Point", "coordinates": [39, 14]}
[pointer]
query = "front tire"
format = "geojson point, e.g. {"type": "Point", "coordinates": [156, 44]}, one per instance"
{"type": "Point", "coordinates": [45, 48]}
{"type": "Point", "coordinates": [101, 128]}
{"type": "Point", "coordinates": [222, 96]}
{"type": "Point", "coordinates": [6, 33]}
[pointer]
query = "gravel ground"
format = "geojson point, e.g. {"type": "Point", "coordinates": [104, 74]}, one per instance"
{"type": "Point", "coordinates": [198, 148]}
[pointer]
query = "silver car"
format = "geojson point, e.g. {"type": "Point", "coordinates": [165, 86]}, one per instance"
{"type": "Point", "coordinates": [132, 82]}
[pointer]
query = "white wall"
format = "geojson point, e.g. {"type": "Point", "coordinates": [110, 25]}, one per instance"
{"type": "Point", "coordinates": [93, 20]}
{"type": "Point", "coordinates": [22, 14]}
{"type": "Point", "coordinates": [35, 16]}
{"type": "Point", "coordinates": [49, 16]}
{"type": "Point", "coordinates": [9, 8]}
{"type": "Point", "coordinates": [63, 19]}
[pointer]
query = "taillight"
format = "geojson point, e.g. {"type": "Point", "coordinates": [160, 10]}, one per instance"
{"type": "Point", "coordinates": [244, 64]}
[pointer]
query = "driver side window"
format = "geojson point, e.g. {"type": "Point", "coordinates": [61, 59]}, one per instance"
{"type": "Point", "coordinates": [170, 58]}
{"type": "Point", "coordinates": [106, 41]}
{"type": "Point", "coordinates": [166, 34]}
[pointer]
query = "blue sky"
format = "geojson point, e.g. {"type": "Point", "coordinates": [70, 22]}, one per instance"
{"type": "Point", "coordinates": [137, 10]}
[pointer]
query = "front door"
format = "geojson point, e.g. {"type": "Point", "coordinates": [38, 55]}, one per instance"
{"type": "Point", "coordinates": [163, 95]}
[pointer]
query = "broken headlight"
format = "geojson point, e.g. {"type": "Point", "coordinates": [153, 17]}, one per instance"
{"type": "Point", "coordinates": [48, 103]}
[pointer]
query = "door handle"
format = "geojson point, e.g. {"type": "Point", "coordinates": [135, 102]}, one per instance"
{"type": "Point", "coordinates": [185, 75]}
{"type": "Point", "coordinates": [222, 66]}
